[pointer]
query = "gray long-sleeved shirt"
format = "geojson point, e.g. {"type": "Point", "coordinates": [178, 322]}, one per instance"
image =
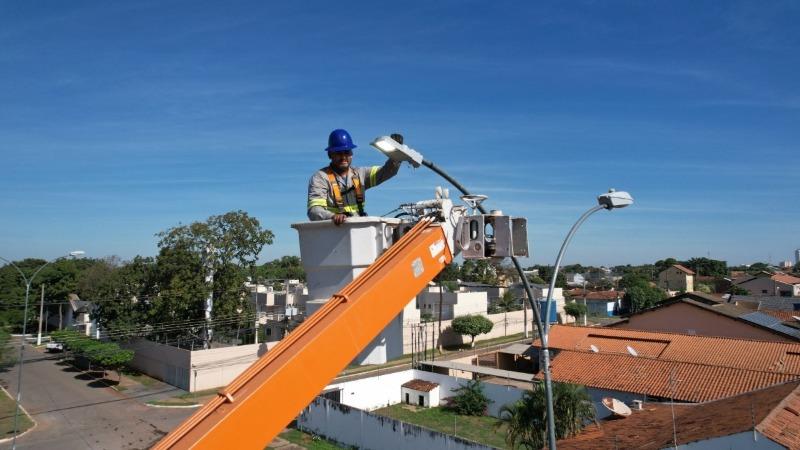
{"type": "Point", "coordinates": [321, 205]}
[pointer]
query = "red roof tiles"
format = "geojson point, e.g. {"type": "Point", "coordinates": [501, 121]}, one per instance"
{"type": "Point", "coordinates": [688, 368]}
{"type": "Point", "coordinates": [652, 428]}
{"type": "Point", "coordinates": [769, 356]}
{"type": "Point", "coordinates": [683, 269]}
{"type": "Point", "coordinates": [420, 385]}
{"type": "Point", "coordinates": [787, 279]}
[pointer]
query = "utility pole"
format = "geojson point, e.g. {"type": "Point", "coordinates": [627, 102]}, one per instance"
{"type": "Point", "coordinates": [41, 312]}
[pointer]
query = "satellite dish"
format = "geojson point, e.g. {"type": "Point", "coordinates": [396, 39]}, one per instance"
{"type": "Point", "coordinates": [594, 348]}
{"type": "Point", "coordinates": [631, 350]}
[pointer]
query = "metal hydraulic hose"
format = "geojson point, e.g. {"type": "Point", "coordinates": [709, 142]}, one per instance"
{"type": "Point", "coordinates": [548, 385]}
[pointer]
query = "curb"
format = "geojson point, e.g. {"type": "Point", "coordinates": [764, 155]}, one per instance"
{"type": "Point", "coordinates": [21, 408]}
{"type": "Point", "coordinates": [196, 405]}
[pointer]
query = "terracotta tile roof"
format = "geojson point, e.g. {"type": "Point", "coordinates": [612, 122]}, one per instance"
{"type": "Point", "coordinates": [652, 427]}
{"type": "Point", "coordinates": [765, 356]}
{"type": "Point", "coordinates": [782, 425]}
{"type": "Point", "coordinates": [787, 279]}
{"type": "Point", "coordinates": [420, 385]}
{"type": "Point", "coordinates": [687, 382]}
{"type": "Point", "coordinates": [683, 269]}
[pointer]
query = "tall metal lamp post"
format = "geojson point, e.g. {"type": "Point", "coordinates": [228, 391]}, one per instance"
{"type": "Point", "coordinates": [610, 200]}
{"type": "Point", "coordinates": [28, 282]}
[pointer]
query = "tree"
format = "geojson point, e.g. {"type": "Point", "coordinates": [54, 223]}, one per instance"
{"type": "Point", "coordinates": [632, 279]}
{"type": "Point", "coordinates": [480, 271]}
{"type": "Point", "coordinates": [426, 317]}
{"type": "Point", "coordinates": [508, 303]}
{"type": "Point", "coordinates": [663, 264]}
{"type": "Point", "coordinates": [641, 297]}
{"type": "Point", "coordinates": [109, 356]}
{"type": "Point", "coordinates": [6, 351]}
{"type": "Point", "coordinates": [472, 326]}
{"type": "Point", "coordinates": [470, 399]}
{"type": "Point", "coordinates": [704, 288]}
{"type": "Point", "coordinates": [757, 268]}
{"type": "Point", "coordinates": [738, 290]}
{"type": "Point", "coordinates": [527, 417]}
{"type": "Point", "coordinates": [449, 273]}
{"type": "Point", "coordinates": [708, 267]}
{"type": "Point", "coordinates": [575, 309]}
{"type": "Point", "coordinates": [224, 247]}
{"type": "Point", "coordinates": [546, 273]}
{"type": "Point", "coordinates": [286, 267]}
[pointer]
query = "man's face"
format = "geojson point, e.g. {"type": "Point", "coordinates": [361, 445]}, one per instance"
{"type": "Point", "coordinates": [340, 161]}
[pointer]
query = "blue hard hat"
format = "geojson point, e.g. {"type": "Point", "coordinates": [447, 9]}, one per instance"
{"type": "Point", "coordinates": [340, 141]}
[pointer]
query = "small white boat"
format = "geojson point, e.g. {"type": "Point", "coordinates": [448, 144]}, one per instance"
{"type": "Point", "coordinates": [617, 407]}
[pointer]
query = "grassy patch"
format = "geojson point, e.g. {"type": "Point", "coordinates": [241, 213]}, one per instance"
{"type": "Point", "coordinates": [479, 429]}
{"type": "Point", "coordinates": [140, 378]}
{"type": "Point", "coordinates": [199, 394]}
{"type": "Point", "coordinates": [7, 408]}
{"type": "Point", "coordinates": [308, 441]}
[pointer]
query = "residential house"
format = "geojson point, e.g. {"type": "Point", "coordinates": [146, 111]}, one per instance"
{"type": "Point", "coordinates": [76, 314]}
{"type": "Point", "coordinates": [700, 314]}
{"type": "Point", "coordinates": [668, 366]}
{"type": "Point", "coordinates": [676, 278]}
{"type": "Point", "coordinates": [539, 292]}
{"type": "Point", "coordinates": [453, 304]}
{"type": "Point", "coordinates": [765, 302]}
{"type": "Point", "coordinates": [765, 283]}
{"type": "Point", "coordinates": [761, 419]}
{"type": "Point", "coordinates": [598, 303]}
{"type": "Point", "coordinates": [575, 279]}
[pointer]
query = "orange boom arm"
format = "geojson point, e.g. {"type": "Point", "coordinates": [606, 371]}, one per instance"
{"type": "Point", "coordinates": [261, 401]}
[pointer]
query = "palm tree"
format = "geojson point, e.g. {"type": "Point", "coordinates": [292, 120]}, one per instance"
{"type": "Point", "coordinates": [527, 419]}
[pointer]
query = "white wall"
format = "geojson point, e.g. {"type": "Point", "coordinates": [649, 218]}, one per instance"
{"type": "Point", "coordinates": [505, 324]}
{"type": "Point", "coordinates": [194, 370]}
{"type": "Point", "coordinates": [384, 390]}
{"type": "Point", "coordinates": [360, 429]}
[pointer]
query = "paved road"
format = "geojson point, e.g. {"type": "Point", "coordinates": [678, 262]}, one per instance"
{"type": "Point", "coordinates": [74, 412]}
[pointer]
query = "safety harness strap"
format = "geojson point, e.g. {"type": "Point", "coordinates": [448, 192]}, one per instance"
{"type": "Point", "coordinates": [337, 193]}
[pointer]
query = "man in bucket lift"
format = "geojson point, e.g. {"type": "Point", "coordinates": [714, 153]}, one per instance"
{"type": "Point", "coordinates": [336, 191]}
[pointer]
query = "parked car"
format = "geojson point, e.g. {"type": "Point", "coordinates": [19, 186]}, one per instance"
{"type": "Point", "coordinates": [54, 347]}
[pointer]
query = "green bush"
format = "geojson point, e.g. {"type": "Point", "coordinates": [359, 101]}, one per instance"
{"type": "Point", "coordinates": [470, 399]}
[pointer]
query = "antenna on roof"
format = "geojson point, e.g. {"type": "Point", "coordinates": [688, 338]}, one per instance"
{"type": "Point", "coordinates": [631, 351]}
{"type": "Point", "coordinates": [594, 348]}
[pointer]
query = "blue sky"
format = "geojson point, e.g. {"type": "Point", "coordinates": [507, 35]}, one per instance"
{"type": "Point", "coordinates": [121, 119]}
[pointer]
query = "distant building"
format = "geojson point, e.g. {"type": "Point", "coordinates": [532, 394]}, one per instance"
{"type": "Point", "coordinates": [676, 278]}
{"type": "Point", "coordinates": [575, 279]}
{"type": "Point", "coordinates": [453, 304]}
{"type": "Point", "coordinates": [700, 314]}
{"type": "Point", "coordinates": [797, 256]}
{"type": "Point", "coordinates": [765, 283]}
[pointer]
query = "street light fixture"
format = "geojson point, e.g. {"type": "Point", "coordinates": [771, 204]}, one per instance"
{"type": "Point", "coordinates": [610, 200]}
{"type": "Point", "coordinates": [28, 282]}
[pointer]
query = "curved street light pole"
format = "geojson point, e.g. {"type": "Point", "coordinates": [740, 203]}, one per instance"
{"type": "Point", "coordinates": [28, 282]}
{"type": "Point", "coordinates": [609, 201]}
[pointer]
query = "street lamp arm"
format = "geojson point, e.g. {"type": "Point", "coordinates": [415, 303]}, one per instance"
{"type": "Point", "coordinates": [558, 261]}
{"type": "Point", "coordinates": [18, 269]}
